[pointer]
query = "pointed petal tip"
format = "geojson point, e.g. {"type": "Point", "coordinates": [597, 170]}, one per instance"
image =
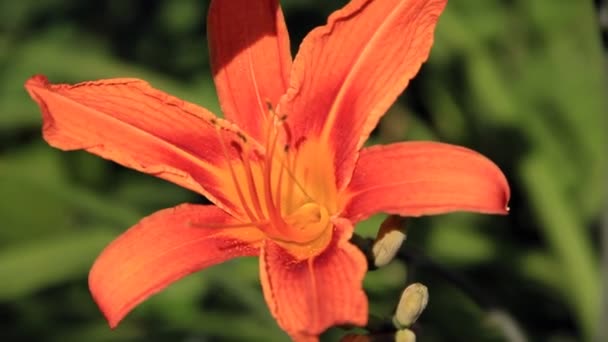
{"type": "Point", "coordinates": [161, 249]}
{"type": "Point", "coordinates": [113, 322]}
{"type": "Point", "coordinates": [506, 190]}
{"type": "Point", "coordinates": [113, 317]}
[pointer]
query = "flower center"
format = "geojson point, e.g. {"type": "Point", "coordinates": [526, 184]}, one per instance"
{"type": "Point", "coordinates": [288, 190]}
{"type": "Point", "coordinates": [308, 221]}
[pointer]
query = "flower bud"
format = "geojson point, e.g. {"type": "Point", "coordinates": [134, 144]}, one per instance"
{"type": "Point", "coordinates": [413, 301]}
{"type": "Point", "coordinates": [405, 335]}
{"type": "Point", "coordinates": [389, 239]}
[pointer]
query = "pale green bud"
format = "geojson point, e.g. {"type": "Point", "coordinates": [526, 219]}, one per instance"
{"type": "Point", "coordinates": [405, 335]}
{"type": "Point", "coordinates": [413, 301]}
{"type": "Point", "coordinates": [390, 236]}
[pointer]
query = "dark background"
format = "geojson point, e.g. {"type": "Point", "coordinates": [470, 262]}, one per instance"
{"type": "Point", "coordinates": [523, 82]}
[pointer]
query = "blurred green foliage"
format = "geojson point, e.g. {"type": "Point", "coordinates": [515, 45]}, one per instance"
{"type": "Point", "coordinates": [521, 81]}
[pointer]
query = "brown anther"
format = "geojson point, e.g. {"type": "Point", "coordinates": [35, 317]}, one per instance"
{"type": "Point", "coordinates": [299, 142]}
{"type": "Point", "coordinates": [241, 136]}
{"type": "Point", "coordinates": [269, 105]}
{"type": "Point", "coordinates": [287, 132]}
{"type": "Point", "coordinates": [237, 147]}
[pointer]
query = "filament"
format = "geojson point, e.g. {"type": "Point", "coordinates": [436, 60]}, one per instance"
{"type": "Point", "coordinates": [279, 187]}
{"type": "Point", "coordinates": [291, 172]}
{"type": "Point", "coordinates": [233, 176]}
{"type": "Point", "coordinates": [270, 149]}
{"type": "Point", "coordinates": [251, 185]}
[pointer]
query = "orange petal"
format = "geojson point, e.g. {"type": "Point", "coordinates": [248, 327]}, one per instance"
{"type": "Point", "coordinates": [308, 296]}
{"type": "Point", "coordinates": [162, 248]}
{"type": "Point", "coordinates": [349, 72]}
{"type": "Point", "coordinates": [250, 58]}
{"type": "Point", "coordinates": [133, 124]}
{"type": "Point", "coordinates": [423, 178]}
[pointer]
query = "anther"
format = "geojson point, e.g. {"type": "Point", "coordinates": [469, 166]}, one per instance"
{"type": "Point", "coordinates": [237, 147]}
{"type": "Point", "coordinates": [268, 105]}
{"type": "Point", "coordinates": [233, 176]}
{"type": "Point", "coordinates": [287, 131]}
{"type": "Point", "coordinates": [242, 136]}
{"type": "Point", "coordinates": [300, 141]}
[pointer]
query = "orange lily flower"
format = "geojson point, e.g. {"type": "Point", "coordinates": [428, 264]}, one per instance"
{"type": "Point", "coordinates": [286, 171]}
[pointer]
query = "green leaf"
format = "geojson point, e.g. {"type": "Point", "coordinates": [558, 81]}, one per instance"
{"type": "Point", "coordinates": [566, 236]}
{"type": "Point", "coordinates": [33, 265]}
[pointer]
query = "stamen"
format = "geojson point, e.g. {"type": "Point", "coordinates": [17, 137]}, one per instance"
{"type": "Point", "coordinates": [269, 106]}
{"type": "Point", "coordinates": [287, 130]}
{"type": "Point", "coordinates": [291, 172]}
{"type": "Point", "coordinates": [233, 176]}
{"type": "Point", "coordinates": [270, 149]}
{"type": "Point", "coordinates": [279, 187]}
{"type": "Point", "coordinates": [300, 141]}
{"type": "Point", "coordinates": [251, 185]}
{"type": "Point", "coordinates": [293, 166]}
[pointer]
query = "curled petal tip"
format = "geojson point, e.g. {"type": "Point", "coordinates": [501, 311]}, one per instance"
{"type": "Point", "coordinates": [37, 81]}
{"type": "Point", "coordinates": [425, 178]}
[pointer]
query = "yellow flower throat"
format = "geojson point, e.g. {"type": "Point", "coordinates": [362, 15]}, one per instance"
{"type": "Point", "coordinates": [288, 191]}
